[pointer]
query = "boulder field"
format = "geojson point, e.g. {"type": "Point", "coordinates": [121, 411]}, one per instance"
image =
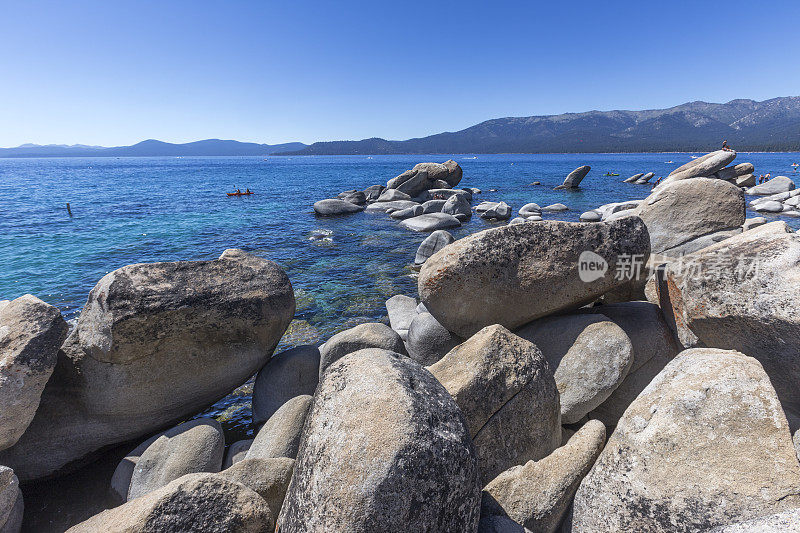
{"type": "Point", "coordinates": [539, 380]}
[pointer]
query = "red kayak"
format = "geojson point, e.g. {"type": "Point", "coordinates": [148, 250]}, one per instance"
{"type": "Point", "coordinates": [239, 193]}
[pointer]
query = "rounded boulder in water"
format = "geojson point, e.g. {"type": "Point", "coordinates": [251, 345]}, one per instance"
{"type": "Point", "coordinates": [432, 244]}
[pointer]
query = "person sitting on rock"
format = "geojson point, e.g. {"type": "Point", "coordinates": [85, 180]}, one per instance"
{"type": "Point", "coordinates": [726, 147]}
{"type": "Point", "coordinates": [761, 179]}
{"type": "Point", "coordinates": [767, 177]}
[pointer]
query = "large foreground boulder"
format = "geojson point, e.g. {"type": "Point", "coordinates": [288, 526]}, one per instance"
{"type": "Point", "coordinates": [705, 444]}
{"type": "Point", "coordinates": [154, 344]}
{"type": "Point", "coordinates": [31, 332]}
{"type": "Point", "coordinates": [191, 447]}
{"type": "Point", "coordinates": [385, 448]}
{"type": "Point", "coordinates": [742, 294]}
{"type": "Point", "coordinates": [589, 356]}
{"type": "Point", "coordinates": [207, 501]}
{"type": "Point", "coordinates": [505, 389]}
{"type": "Point", "coordinates": [680, 213]}
{"type": "Point", "coordinates": [515, 274]}
{"type": "Point", "coordinates": [783, 522]}
{"type": "Point", "coordinates": [573, 180]}
{"type": "Point", "coordinates": [537, 494]}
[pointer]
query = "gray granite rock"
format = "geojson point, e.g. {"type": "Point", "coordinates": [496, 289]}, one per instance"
{"type": "Point", "coordinates": [589, 356]}
{"type": "Point", "coordinates": [428, 341]}
{"type": "Point", "coordinates": [506, 392]}
{"type": "Point", "coordinates": [591, 216]}
{"type": "Point", "coordinates": [392, 195]}
{"type": "Point", "coordinates": [236, 452]}
{"type": "Point", "coordinates": [555, 208]}
{"type": "Point", "coordinates": [431, 222]}
{"type": "Point", "coordinates": [208, 499]}
{"type": "Point", "coordinates": [11, 502]}
{"type": "Point", "coordinates": [499, 211]}
{"type": "Point", "coordinates": [432, 244]}
{"type": "Point", "coordinates": [408, 212]}
{"type": "Point", "coordinates": [191, 447]}
{"type": "Point", "coordinates": [291, 373]}
{"type": "Point", "coordinates": [402, 310]}
{"type": "Point", "coordinates": [269, 478]}
{"type": "Point", "coordinates": [121, 479]}
{"type": "Point", "coordinates": [385, 448]}
{"type": "Point", "coordinates": [529, 210]}
{"type": "Point", "coordinates": [703, 166]}
{"type": "Point", "coordinates": [155, 343]}
{"type": "Point", "coordinates": [373, 192]}
{"type": "Point", "coordinates": [369, 335]}
{"type": "Point", "coordinates": [383, 207]}
{"type": "Point", "coordinates": [335, 207]}
{"type": "Point", "coordinates": [280, 435]}
{"type": "Point", "coordinates": [433, 206]}
{"type": "Point", "coordinates": [537, 494]}
{"type": "Point", "coordinates": [525, 271]}
{"type": "Point", "coordinates": [457, 205]}
{"type": "Point", "coordinates": [777, 184]}
{"type": "Point", "coordinates": [633, 178]}
{"type": "Point", "coordinates": [574, 178]}
{"type": "Point", "coordinates": [783, 522]}
{"type": "Point", "coordinates": [746, 300]}
{"type": "Point", "coordinates": [676, 459]}
{"type": "Point", "coordinates": [31, 332]}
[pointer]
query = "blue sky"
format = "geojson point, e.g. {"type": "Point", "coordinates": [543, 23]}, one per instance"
{"type": "Point", "coordinates": [114, 73]}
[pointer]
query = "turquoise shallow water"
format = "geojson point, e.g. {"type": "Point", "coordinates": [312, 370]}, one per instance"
{"type": "Point", "coordinates": [128, 210]}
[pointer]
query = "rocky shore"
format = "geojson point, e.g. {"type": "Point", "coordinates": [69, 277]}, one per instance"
{"type": "Point", "coordinates": [636, 371]}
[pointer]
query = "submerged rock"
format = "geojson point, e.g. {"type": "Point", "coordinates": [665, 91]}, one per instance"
{"type": "Point", "coordinates": [675, 461]}
{"type": "Point", "coordinates": [385, 448]}
{"type": "Point", "coordinates": [537, 494]}
{"type": "Point", "coordinates": [515, 274]}
{"type": "Point", "coordinates": [154, 344]}
{"type": "Point", "coordinates": [505, 389]}
{"type": "Point", "coordinates": [432, 244]}
{"type": "Point", "coordinates": [31, 332]}
{"type": "Point", "coordinates": [573, 180]}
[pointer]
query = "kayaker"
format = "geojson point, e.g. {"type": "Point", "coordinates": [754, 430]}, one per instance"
{"type": "Point", "coordinates": [238, 191]}
{"type": "Point", "coordinates": [247, 191]}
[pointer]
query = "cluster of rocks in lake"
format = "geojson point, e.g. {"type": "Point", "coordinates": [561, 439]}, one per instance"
{"type": "Point", "coordinates": [515, 394]}
{"type": "Point", "coordinates": [426, 199]}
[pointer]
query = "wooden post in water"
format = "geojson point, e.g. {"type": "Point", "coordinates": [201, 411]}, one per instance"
{"type": "Point", "coordinates": [69, 210]}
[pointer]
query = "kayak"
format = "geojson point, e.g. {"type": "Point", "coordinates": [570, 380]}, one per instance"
{"type": "Point", "coordinates": [610, 174]}
{"type": "Point", "coordinates": [239, 193]}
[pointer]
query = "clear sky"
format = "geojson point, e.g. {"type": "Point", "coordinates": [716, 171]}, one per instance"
{"type": "Point", "coordinates": [116, 72]}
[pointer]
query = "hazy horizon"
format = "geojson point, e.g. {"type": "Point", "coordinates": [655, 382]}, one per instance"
{"type": "Point", "coordinates": [115, 74]}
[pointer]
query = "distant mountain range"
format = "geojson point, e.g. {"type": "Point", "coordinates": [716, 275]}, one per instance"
{"type": "Point", "coordinates": [771, 125]}
{"type": "Point", "coordinates": [151, 148]}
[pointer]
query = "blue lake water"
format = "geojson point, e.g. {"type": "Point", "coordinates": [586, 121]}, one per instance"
{"type": "Point", "coordinates": [129, 210]}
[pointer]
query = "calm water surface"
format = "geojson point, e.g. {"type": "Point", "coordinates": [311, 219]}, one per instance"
{"type": "Point", "coordinates": [130, 210]}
